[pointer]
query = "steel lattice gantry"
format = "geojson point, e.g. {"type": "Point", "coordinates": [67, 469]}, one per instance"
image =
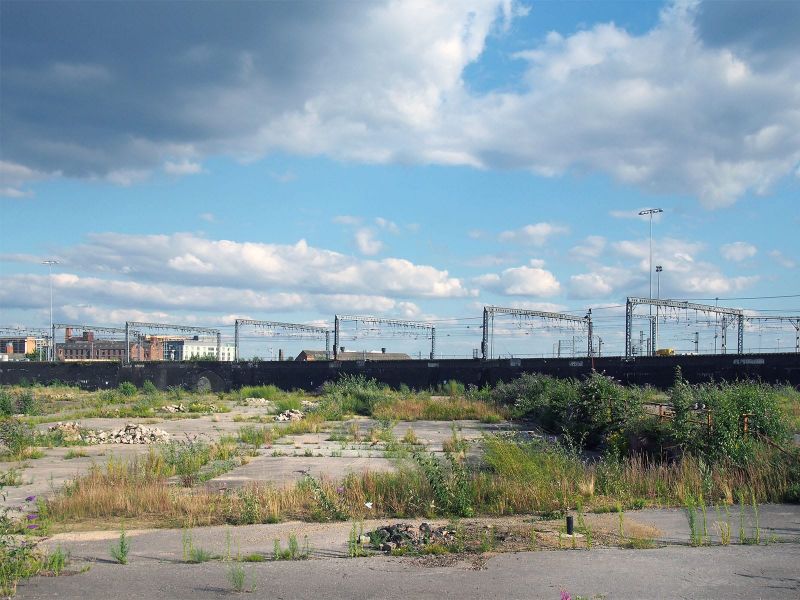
{"type": "Point", "coordinates": [794, 320]}
{"type": "Point", "coordinates": [377, 320]}
{"type": "Point", "coordinates": [540, 314]}
{"type": "Point", "coordinates": [320, 331]}
{"type": "Point", "coordinates": [632, 302]}
{"type": "Point", "coordinates": [134, 326]}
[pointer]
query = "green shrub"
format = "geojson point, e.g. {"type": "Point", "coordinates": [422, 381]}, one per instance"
{"type": "Point", "coordinates": [28, 404]}
{"type": "Point", "coordinates": [7, 406]}
{"type": "Point", "coordinates": [149, 388]}
{"type": "Point", "coordinates": [16, 437]}
{"type": "Point", "coordinates": [127, 389]}
{"type": "Point", "coordinates": [268, 392]}
{"type": "Point", "coordinates": [352, 394]}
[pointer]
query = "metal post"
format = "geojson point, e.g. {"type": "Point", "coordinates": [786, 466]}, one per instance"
{"type": "Point", "coordinates": [599, 346]}
{"type": "Point", "coordinates": [797, 336]}
{"type": "Point", "coordinates": [485, 338]}
{"type": "Point", "coordinates": [127, 343]}
{"type": "Point", "coordinates": [628, 327]}
{"type": "Point", "coordinates": [724, 329]}
{"type": "Point", "coordinates": [52, 341]}
{"type": "Point", "coordinates": [589, 325]}
{"type": "Point", "coordinates": [328, 345]}
{"type": "Point", "coordinates": [433, 342]}
{"type": "Point", "coordinates": [653, 334]}
{"type": "Point", "coordinates": [697, 342]}
{"type": "Point", "coordinates": [336, 337]}
{"type": "Point", "coordinates": [219, 346]}
{"type": "Point", "coordinates": [236, 340]}
{"type": "Point", "coordinates": [740, 334]}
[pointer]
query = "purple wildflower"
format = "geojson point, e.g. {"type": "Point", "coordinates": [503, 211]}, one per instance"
{"type": "Point", "coordinates": [30, 498]}
{"type": "Point", "coordinates": [33, 527]}
{"type": "Point", "coordinates": [565, 595]}
{"type": "Point", "coordinates": [340, 490]}
{"type": "Point", "coordinates": [32, 517]}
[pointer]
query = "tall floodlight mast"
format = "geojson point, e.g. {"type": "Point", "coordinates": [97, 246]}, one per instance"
{"type": "Point", "coordinates": [650, 212]}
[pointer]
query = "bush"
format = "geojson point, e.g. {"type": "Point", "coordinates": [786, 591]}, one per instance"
{"type": "Point", "coordinates": [352, 394]}
{"type": "Point", "coordinates": [7, 406]}
{"type": "Point", "coordinates": [148, 388]}
{"type": "Point", "coordinates": [127, 389]}
{"type": "Point", "coordinates": [268, 392]}
{"type": "Point", "coordinates": [16, 436]}
{"type": "Point", "coordinates": [28, 404]}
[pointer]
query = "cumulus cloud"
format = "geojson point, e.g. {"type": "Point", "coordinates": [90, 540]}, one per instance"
{"type": "Point", "coordinates": [738, 251]}
{"type": "Point", "coordinates": [783, 260]}
{"type": "Point", "coordinates": [521, 281]}
{"type": "Point", "coordinates": [367, 243]}
{"type": "Point", "coordinates": [387, 83]}
{"type": "Point", "coordinates": [192, 260]}
{"type": "Point", "coordinates": [591, 247]}
{"type": "Point", "coordinates": [182, 167]}
{"type": "Point", "coordinates": [685, 271]}
{"type": "Point", "coordinates": [536, 234]}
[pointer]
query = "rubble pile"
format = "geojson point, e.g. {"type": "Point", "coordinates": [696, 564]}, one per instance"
{"type": "Point", "coordinates": [262, 402]}
{"type": "Point", "coordinates": [175, 408]}
{"type": "Point", "coordinates": [129, 434]}
{"type": "Point", "coordinates": [289, 415]}
{"type": "Point", "coordinates": [404, 535]}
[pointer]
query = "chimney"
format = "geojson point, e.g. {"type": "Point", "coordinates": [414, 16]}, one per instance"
{"type": "Point", "coordinates": [341, 348]}
{"type": "Point", "coordinates": [383, 350]}
{"type": "Point", "coordinates": [280, 354]}
{"type": "Point", "coordinates": [67, 333]}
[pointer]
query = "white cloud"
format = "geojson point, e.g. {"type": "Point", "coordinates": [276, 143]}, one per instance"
{"type": "Point", "coordinates": [592, 247]}
{"type": "Point", "coordinates": [536, 234]}
{"type": "Point", "coordinates": [367, 243]}
{"type": "Point", "coordinates": [183, 167]}
{"type": "Point", "coordinates": [783, 260]}
{"type": "Point", "coordinates": [208, 217]}
{"type": "Point", "coordinates": [192, 260]}
{"type": "Point", "coordinates": [388, 225]}
{"type": "Point", "coordinates": [738, 251]}
{"type": "Point", "coordinates": [389, 85]}
{"type": "Point", "coordinates": [521, 281]}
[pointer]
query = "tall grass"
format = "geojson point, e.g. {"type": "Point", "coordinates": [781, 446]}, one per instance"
{"type": "Point", "coordinates": [517, 478]}
{"type": "Point", "coordinates": [451, 408]}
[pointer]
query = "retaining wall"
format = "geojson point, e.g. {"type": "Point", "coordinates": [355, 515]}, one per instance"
{"type": "Point", "coordinates": [220, 376]}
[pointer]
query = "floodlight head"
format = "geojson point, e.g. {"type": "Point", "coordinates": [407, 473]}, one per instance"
{"type": "Point", "coordinates": [659, 269]}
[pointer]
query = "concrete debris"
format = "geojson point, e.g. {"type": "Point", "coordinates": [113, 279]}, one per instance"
{"type": "Point", "coordinates": [308, 405]}
{"type": "Point", "coordinates": [404, 535]}
{"type": "Point", "coordinates": [261, 402]}
{"type": "Point", "coordinates": [131, 433]}
{"type": "Point", "coordinates": [174, 408]}
{"type": "Point", "coordinates": [290, 415]}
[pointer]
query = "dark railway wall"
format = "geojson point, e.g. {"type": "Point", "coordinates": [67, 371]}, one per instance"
{"type": "Point", "coordinates": [220, 376]}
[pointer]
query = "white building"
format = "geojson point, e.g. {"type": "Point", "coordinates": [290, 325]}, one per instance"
{"type": "Point", "coordinates": [198, 348]}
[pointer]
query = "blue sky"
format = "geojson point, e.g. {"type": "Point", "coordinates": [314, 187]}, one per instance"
{"type": "Point", "coordinates": [195, 163]}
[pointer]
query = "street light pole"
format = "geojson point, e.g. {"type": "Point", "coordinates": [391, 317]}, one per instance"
{"type": "Point", "coordinates": [52, 344]}
{"type": "Point", "coordinates": [650, 212]}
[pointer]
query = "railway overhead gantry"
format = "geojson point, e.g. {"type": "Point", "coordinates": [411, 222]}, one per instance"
{"type": "Point", "coordinates": [136, 327]}
{"type": "Point", "coordinates": [317, 332]}
{"type": "Point", "coordinates": [728, 315]}
{"type": "Point", "coordinates": [490, 311]}
{"type": "Point", "coordinates": [397, 324]}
